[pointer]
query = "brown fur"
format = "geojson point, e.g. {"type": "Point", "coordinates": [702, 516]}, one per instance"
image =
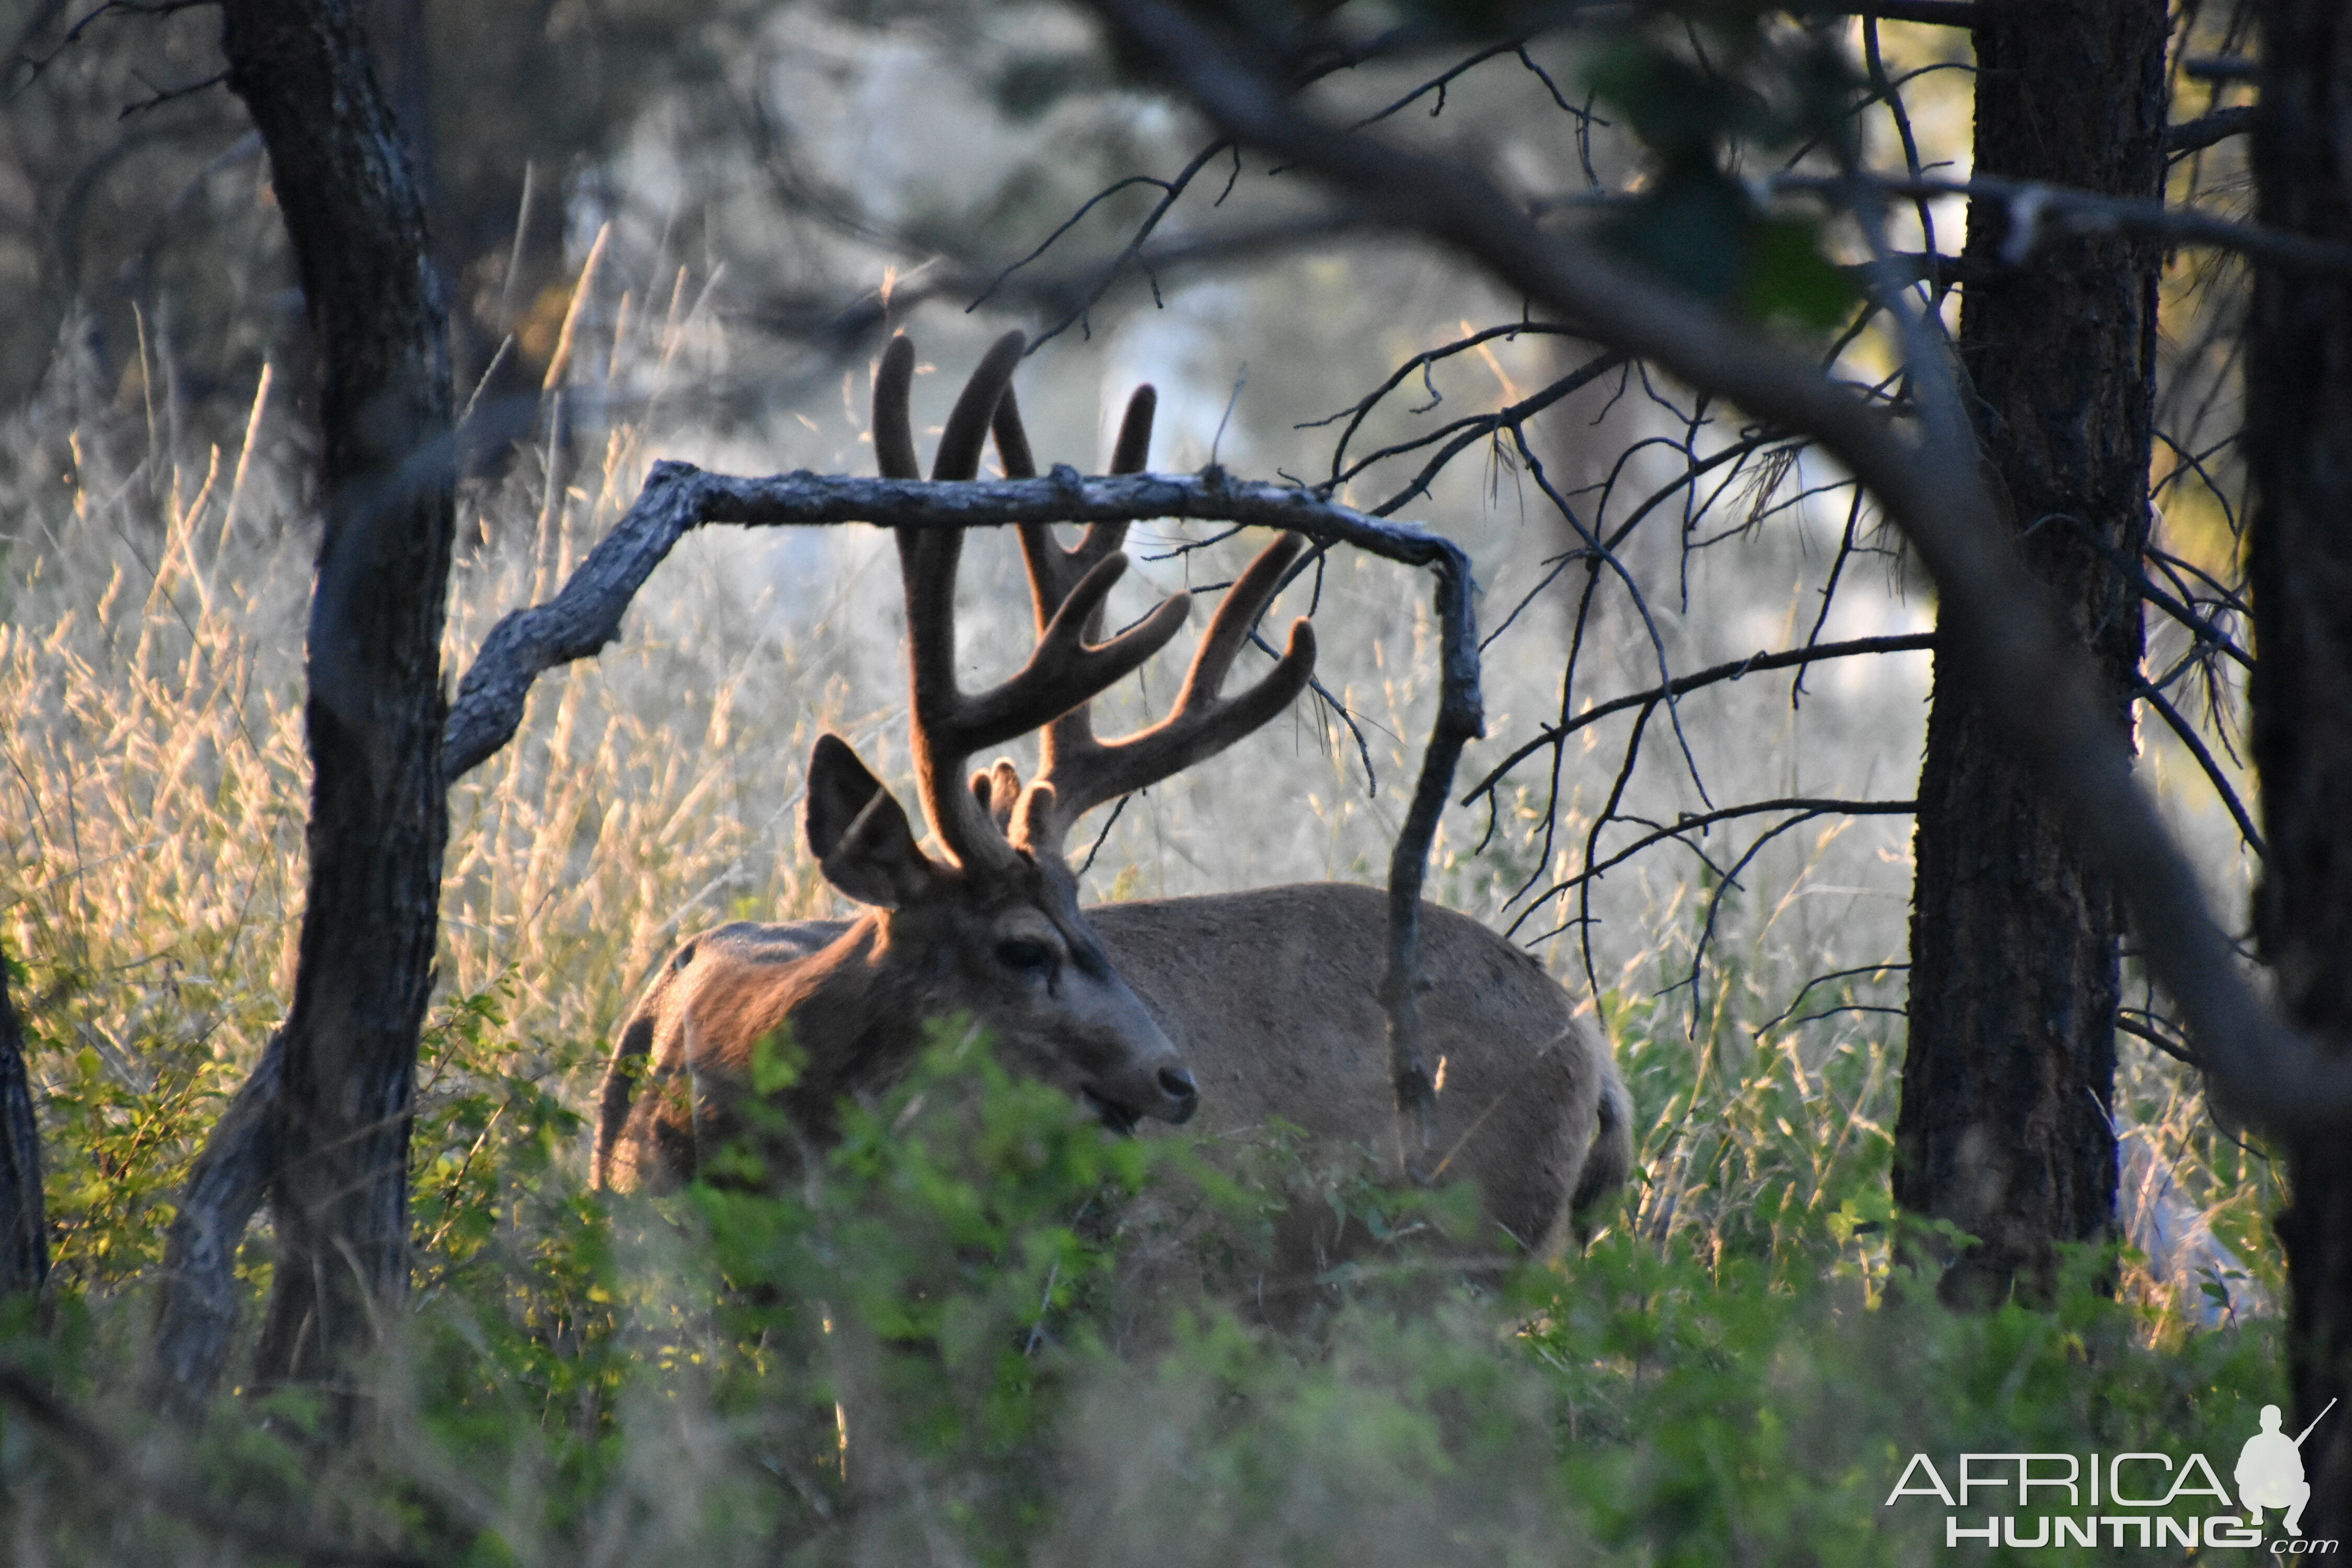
{"type": "Point", "coordinates": [853, 997]}
{"type": "Point", "coordinates": [1270, 997]}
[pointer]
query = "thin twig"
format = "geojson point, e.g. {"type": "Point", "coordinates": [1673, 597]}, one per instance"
{"type": "Point", "coordinates": [1783, 1016]}
{"type": "Point", "coordinates": [1553, 734]}
{"type": "Point", "coordinates": [1805, 806]}
{"type": "Point", "coordinates": [2187, 734]}
{"type": "Point", "coordinates": [2191, 135]}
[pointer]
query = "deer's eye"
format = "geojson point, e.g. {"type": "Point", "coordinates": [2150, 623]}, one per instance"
{"type": "Point", "coordinates": [1024, 953]}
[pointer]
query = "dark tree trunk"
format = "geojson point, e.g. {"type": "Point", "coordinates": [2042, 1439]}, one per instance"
{"type": "Point", "coordinates": [2014, 986]}
{"type": "Point", "coordinates": [2299, 452]}
{"type": "Point", "coordinates": [378, 820]}
{"type": "Point", "coordinates": [24, 1222]}
{"type": "Point", "coordinates": [195, 1309]}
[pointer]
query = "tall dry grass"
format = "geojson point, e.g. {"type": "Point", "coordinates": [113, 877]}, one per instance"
{"type": "Point", "coordinates": [154, 851]}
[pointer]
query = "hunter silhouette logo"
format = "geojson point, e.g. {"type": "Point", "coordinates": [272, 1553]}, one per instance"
{"type": "Point", "coordinates": [2124, 1499]}
{"type": "Point", "coordinates": [2270, 1470]}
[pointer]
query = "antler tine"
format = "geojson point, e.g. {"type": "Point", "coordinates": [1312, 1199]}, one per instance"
{"type": "Point", "coordinates": [1134, 432]}
{"type": "Point", "coordinates": [927, 558]}
{"type": "Point", "coordinates": [894, 428]}
{"type": "Point", "coordinates": [1054, 571]}
{"type": "Point", "coordinates": [1082, 772]}
{"type": "Point", "coordinates": [1063, 671]}
{"type": "Point", "coordinates": [1077, 771]}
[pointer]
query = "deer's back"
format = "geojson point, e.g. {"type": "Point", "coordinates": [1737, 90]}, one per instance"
{"type": "Point", "coordinates": [1272, 996]}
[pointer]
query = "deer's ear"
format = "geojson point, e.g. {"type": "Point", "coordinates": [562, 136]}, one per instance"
{"type": "Point", "coordinates": [858, 834]}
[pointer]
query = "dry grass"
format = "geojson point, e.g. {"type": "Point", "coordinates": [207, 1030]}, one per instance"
{"type": "Point", "coordinates": [153, 855]}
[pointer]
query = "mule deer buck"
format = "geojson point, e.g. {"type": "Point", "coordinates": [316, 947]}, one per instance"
{"type": "Point", "coordinates": [1244, 1007]}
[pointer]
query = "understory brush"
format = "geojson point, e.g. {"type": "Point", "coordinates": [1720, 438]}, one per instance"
{"type": "Point", "coordinates": [907, 1356]}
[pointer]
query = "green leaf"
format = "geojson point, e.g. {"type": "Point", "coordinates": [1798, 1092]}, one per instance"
{"type": "Point", "coordinates": [1791, 281]}
{"type": "Point", "coordinates": [1699, 233]}
{"type": "Point", "coordinates": [776, 1063]}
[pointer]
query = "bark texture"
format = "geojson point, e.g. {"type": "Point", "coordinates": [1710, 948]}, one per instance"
{"type": "Point", "coordinates": [24, 1223]}
{"type": "Point", "coordinates": [2299, 449]}
{"type": "Point", "coordinates": [195, 1310]}
{"type": "Point", "coordinates": [2006, 1087]}
{"type": "Point", "coordinates": [378, 820]}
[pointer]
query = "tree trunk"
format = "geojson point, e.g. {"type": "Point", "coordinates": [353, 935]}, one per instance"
{"type": "Point", "coordinates": [378, 820]}
{"type": "Point", "coordinates": [2299, 453]}
{"type": "Point", "coordinates": [195, 1309]}
{"type": "Point", "coordinates": [2011, 1066]}
{"type": "Point", "coordinates": [24, 1224]}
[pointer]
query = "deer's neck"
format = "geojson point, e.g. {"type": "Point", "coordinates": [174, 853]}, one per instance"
{"type": "Point", "coordinates": [855, 1011]}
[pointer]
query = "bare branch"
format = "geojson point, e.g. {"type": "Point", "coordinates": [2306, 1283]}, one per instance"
{"type": "Point", "coordinates": [587, 613]}
{"type": "Point", "coordinates": [2221, 68]}
{"type": "Point", "coordinates": [1445, 79]}
{"type": "Point", "coordinates": [1804, 807]}
{"type": "Point", "coordinates": [2128, 1022]}
{"type": "Point", "coordinates": [2208, 636]}
{"type": "Point", "coordinates": [1460, 719]}
{"type": "Point", "coordinates": [2190, 135]}
{"type": "Point", "coordinates": [2039, 211]}
{"type": "Point", "coordinates": [1731, 879]}
{"type": "Point", "coordinates": [1849, 540]}
{"type": "Point", "coordinates": [1603, 553]}
{"type": "Point", "coordinates": [2187, 734]}
{"type": "Point", "coordinates": [1553, 734]}
{"type": "Point", "coordinates": [195, 1309]}
{"type": "Point", "coordinates": [1785, 1014]}
{"type": "Point", "coordinates": [164, 95]}
{"type": "Point", "coordinates": [1998, 625]}
{"type": "Point", "coordinates": [1466, 433]}
{"type": "Point", "coordinates": [1108, 273]}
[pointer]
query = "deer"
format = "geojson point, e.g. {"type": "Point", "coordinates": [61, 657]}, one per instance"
{"type": "Point", "coordinates": [1231, 1011]}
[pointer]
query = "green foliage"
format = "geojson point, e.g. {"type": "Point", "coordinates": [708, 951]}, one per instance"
{"type": "Point", "coordinates": [1718, 1416]}
{"type": "Point", "coordinates": [1699, 100]}
{"type": "Point", "coordinates": [504, 1237]}
{"type": "Point", "coordinates": [930, 1340]}
{"type": "Point", "coordinates": [125, 1120]}
{"type": "Point", "coordinates": [921, 1275]}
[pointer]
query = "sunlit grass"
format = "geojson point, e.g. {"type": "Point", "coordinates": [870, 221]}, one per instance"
{"type": "Point", "coordinates": [152, 868]}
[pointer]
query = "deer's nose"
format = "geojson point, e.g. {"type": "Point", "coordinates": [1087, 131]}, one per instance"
{"type": "Point", "coordinates": [1184, 1094]}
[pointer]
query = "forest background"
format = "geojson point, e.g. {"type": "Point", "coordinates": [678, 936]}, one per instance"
{"type": "Point", "coordinates": [666, 233]}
